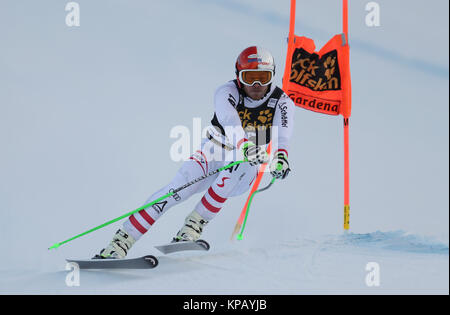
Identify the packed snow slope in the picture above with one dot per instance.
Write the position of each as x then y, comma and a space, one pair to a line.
85, 119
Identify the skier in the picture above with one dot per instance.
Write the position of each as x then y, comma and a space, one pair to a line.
247, 111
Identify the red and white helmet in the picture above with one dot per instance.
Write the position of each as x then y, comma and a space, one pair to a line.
255, 65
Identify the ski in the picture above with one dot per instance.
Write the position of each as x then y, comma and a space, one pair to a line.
144, 262
183, 246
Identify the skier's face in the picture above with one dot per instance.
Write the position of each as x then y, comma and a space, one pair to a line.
256, 91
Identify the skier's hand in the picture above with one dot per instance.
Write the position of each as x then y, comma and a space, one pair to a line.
255, 154
279, 167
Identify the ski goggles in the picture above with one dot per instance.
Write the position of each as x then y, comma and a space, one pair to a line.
252, 76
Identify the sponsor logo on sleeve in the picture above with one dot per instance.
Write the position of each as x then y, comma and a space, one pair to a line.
283, 111
232, 100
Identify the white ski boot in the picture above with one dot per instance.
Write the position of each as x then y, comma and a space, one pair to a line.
192, 228
118, 247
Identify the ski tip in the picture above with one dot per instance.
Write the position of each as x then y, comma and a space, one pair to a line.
203, 243
152, 260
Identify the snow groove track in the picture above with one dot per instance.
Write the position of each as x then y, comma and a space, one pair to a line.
327, 265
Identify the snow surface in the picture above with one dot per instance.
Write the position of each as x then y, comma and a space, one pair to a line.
85, 119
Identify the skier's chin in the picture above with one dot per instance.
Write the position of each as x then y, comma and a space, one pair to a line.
256, 92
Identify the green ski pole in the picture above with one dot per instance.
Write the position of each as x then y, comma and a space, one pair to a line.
147, 205
240, 235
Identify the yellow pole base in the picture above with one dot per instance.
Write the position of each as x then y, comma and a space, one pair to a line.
346, 217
